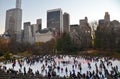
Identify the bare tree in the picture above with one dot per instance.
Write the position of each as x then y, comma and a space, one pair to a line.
93, 26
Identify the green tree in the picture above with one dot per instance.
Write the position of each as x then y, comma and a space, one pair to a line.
59, 44
67, 43
64, 43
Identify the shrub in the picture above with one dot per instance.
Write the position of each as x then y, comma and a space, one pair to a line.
7, 56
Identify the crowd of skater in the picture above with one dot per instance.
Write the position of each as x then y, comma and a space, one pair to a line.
52, 66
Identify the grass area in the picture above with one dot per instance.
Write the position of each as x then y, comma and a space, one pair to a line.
2, 58
24, 54
100, 53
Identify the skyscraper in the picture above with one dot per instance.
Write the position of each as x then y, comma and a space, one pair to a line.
55, 20
85, 33
18, 4
27, 36
107, 17
39, 24
14, 21
66, 22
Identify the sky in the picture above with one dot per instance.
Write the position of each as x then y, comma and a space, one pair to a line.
78, 9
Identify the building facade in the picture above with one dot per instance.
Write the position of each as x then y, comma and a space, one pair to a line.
107, 17
81, 34
33, 34
107, 33
27, 34
66, 22
39, 24
14, 21
85, 30
34, 29
43, 36
55, 20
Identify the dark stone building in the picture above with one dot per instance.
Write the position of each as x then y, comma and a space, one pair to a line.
107, 33
81, 34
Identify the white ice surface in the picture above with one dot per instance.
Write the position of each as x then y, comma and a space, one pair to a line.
84, 64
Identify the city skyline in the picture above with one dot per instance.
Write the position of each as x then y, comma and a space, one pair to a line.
77, 9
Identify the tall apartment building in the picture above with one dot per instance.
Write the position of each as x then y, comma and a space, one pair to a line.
66, 22
55, 20
14, 21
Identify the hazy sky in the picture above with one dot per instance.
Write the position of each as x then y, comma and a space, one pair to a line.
78, 9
